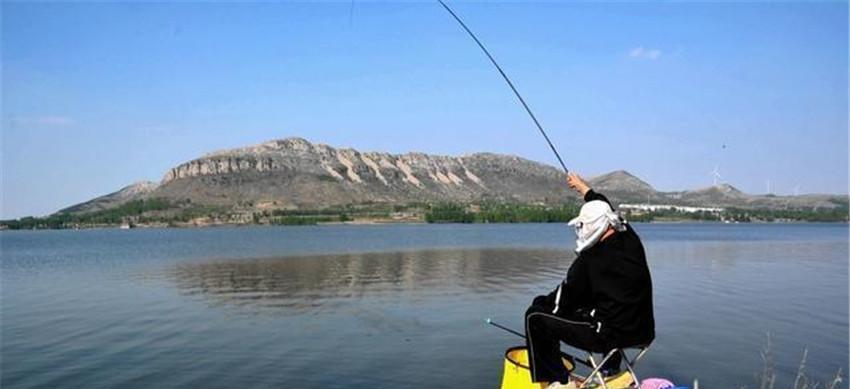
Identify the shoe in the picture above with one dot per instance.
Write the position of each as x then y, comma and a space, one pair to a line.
610, 372
558, 385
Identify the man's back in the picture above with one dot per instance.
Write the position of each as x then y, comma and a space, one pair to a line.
621, 288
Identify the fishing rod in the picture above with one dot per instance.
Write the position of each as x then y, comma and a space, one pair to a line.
497, 325
508, 80
569, 357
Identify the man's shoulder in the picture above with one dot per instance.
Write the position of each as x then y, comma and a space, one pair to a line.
582, 259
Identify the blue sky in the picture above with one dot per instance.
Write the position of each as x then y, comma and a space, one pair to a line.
99, 95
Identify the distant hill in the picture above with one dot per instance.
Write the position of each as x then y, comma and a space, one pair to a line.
128, 193
295, 174
623, 186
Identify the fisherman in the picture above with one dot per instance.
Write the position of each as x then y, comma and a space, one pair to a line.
604, 303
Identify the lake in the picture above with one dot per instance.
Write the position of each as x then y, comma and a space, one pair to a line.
396, 306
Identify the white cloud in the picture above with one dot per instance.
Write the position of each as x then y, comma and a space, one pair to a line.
641, 52
48, 120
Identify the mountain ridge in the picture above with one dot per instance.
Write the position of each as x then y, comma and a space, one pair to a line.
293, 173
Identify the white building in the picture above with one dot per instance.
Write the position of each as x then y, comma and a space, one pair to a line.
667, 207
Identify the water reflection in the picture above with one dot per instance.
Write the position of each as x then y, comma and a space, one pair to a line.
154, 308
311, 284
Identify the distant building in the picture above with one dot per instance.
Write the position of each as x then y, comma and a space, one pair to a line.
667, 207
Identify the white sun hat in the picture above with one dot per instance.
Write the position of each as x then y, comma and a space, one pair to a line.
592, 221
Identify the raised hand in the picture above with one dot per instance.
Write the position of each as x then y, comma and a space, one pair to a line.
577, 184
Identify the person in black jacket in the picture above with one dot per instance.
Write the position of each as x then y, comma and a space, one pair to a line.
605, 302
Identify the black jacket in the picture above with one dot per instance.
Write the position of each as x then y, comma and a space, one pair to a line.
609, 284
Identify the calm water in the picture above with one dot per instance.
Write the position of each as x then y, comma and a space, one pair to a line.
394, 306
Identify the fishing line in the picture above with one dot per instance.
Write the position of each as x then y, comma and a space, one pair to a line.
508, 80
351, 14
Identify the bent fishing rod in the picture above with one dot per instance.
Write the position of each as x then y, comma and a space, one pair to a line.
508, 80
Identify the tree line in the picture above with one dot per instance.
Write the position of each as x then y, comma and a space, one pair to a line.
162, 211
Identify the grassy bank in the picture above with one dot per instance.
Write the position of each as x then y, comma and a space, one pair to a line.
767, 378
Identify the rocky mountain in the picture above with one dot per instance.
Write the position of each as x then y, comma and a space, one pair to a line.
293, 173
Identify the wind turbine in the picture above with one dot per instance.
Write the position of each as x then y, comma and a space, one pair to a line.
715, 174
797, 190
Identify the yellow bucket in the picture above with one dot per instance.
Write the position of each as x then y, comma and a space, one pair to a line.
517, 375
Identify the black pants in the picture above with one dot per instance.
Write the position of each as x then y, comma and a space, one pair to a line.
544, 332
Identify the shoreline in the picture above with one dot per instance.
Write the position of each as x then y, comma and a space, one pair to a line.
393, 222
